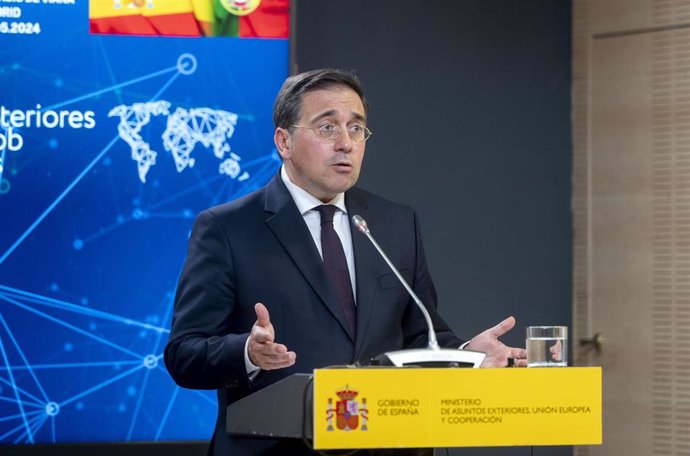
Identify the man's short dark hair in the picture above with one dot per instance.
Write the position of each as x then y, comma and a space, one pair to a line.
287, 109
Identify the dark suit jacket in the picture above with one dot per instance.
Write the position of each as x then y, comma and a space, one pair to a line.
259, 249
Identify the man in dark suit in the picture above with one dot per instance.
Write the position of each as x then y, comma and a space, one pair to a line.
259, 297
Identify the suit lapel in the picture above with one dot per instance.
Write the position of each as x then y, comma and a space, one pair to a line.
365, 260
288, 226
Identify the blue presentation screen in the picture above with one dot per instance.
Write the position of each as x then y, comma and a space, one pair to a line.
110, 143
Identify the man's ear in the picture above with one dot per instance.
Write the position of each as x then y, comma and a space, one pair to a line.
283, 142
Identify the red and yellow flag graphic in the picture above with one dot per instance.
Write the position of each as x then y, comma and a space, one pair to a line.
240, 18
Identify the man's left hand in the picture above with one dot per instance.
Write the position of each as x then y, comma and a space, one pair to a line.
497, 353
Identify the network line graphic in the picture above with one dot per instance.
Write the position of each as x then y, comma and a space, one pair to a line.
34, 404
81, 341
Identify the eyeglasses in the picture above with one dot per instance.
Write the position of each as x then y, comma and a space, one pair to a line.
331, 132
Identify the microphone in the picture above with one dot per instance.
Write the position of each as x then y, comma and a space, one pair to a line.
433, 355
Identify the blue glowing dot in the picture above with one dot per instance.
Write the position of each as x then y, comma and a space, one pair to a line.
107, 161
78, 244
138, 214
54, 287
52, 408
156, 183
79, 405
131, 391
13, 171
92, 326
121, 408
53, 143
187, 213
150, 361
117, 366
186, 64
59, 82
142, 334
275, 155
84, 301
69, 347
120, 218
15, 66
136, 202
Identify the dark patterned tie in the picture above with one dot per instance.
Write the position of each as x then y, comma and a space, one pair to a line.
336, 265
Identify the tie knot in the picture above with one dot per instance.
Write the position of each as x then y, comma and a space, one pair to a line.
327, 211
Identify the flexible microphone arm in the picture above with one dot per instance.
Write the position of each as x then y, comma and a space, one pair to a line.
361, 225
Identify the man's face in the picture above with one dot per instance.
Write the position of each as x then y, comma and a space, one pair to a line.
318, 166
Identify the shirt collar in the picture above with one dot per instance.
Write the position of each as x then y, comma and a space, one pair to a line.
304, 200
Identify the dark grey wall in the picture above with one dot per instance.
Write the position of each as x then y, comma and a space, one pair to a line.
470, 109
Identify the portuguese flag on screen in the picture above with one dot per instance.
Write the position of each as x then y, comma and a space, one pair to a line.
240, 18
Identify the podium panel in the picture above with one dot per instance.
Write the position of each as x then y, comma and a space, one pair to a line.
414, 408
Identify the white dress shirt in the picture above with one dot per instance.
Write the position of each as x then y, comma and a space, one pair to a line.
306, 204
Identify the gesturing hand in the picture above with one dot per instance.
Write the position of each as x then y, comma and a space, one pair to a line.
497, 353
262, 349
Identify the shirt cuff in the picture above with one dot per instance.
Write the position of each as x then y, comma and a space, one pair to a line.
252, 370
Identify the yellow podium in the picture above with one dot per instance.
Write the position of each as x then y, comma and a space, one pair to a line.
351, 408
417, 408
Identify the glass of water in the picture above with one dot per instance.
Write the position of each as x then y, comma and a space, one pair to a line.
547, 346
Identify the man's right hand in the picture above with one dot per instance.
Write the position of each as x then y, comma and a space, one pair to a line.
262, 349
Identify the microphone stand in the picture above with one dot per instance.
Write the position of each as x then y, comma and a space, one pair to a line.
433, 355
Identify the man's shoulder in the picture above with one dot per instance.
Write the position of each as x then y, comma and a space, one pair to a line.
375, 201
249, 201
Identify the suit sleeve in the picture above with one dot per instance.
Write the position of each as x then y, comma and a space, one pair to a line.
416, 332
202, 351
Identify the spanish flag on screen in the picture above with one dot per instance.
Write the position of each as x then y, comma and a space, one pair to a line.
240, 18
